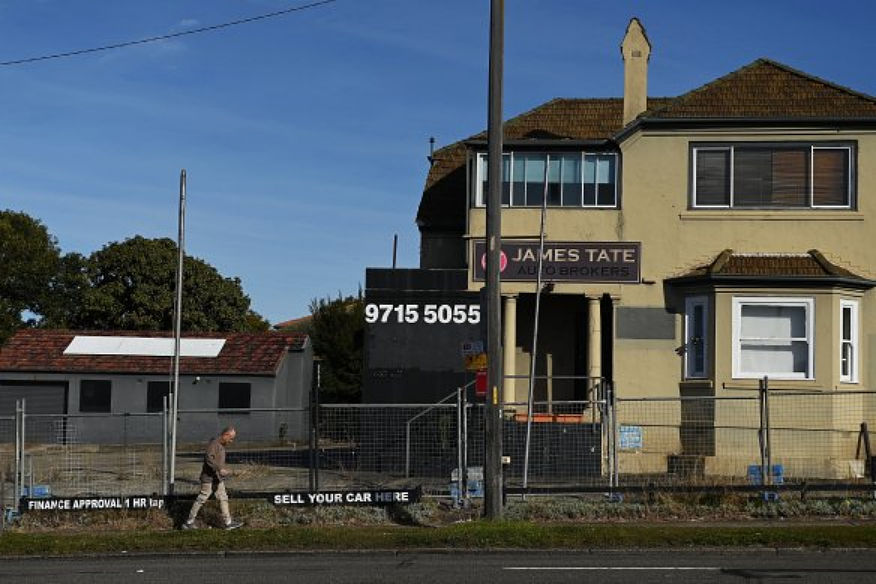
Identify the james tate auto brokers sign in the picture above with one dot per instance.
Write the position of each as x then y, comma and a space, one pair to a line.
565, 261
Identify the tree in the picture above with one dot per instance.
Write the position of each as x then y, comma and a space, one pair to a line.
337, 331
29, 259
132, 287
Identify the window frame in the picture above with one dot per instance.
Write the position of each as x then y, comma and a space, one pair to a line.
518, 157
850, 375
849, 147
97, 404
165, 388
806, 302
692, 342
232, 386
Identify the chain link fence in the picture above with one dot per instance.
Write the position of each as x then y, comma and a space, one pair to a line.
766, 437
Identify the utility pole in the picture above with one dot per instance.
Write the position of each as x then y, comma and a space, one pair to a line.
493, 410
177, 329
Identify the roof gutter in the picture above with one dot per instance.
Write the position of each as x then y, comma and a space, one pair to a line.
571, 143
693, 123
782, 281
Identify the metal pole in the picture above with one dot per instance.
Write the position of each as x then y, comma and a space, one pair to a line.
164, 446
768, 476
316, 422
460, 478
19, 441
177, 329
762, 432
467, 499
493, 410
2, 499
533, 356
612, 400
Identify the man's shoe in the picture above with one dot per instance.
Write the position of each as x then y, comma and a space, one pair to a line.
233, 525
188, 525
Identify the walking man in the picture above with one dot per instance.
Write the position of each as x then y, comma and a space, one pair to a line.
213, 476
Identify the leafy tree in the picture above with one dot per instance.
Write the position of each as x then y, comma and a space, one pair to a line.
29, 259
337, 330
133, 283
61, 307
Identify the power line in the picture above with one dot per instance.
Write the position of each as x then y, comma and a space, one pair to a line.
169, 36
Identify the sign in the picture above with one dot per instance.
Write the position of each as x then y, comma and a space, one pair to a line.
337, 498
601, 262
630, 437
425, 313
481, 383
378, 497
474, 356
91, 503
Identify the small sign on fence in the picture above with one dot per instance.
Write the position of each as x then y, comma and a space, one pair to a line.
338, 498
630, 437
91, 503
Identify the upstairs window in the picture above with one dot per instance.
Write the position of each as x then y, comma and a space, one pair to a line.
765, 176
566, 179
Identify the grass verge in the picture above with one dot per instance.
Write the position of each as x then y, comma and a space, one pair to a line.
562, 523
474, 535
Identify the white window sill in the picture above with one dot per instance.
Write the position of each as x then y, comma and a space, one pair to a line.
761, 215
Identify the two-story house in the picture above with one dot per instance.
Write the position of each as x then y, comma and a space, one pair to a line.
687, 246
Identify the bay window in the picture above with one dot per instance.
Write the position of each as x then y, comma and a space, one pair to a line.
849, 341
773, 337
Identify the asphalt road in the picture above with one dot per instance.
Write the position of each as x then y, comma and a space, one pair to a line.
453, 566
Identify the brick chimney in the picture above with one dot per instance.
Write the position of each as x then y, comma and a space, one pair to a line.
636, 50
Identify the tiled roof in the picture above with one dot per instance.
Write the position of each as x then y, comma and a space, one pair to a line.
766, 89
763, 90
36, 350
813, 264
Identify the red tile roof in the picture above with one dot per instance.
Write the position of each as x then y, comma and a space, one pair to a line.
36, 350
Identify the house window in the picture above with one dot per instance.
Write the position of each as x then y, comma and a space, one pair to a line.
849, 341
567, 180
234, 396
156, 391
95, 396
773, 337
764, 176
696, 337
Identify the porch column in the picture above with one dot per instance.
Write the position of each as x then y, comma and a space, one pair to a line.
594, 339
509, 348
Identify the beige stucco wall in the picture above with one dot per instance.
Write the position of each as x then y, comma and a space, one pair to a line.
654, 194
654, 211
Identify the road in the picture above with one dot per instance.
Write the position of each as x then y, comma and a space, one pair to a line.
517, 567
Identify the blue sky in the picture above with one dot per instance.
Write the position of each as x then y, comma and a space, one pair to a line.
305, 137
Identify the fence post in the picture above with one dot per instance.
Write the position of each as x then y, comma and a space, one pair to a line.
614, 430
461, 479
19, 451
764, 435
313, 461
165, 486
